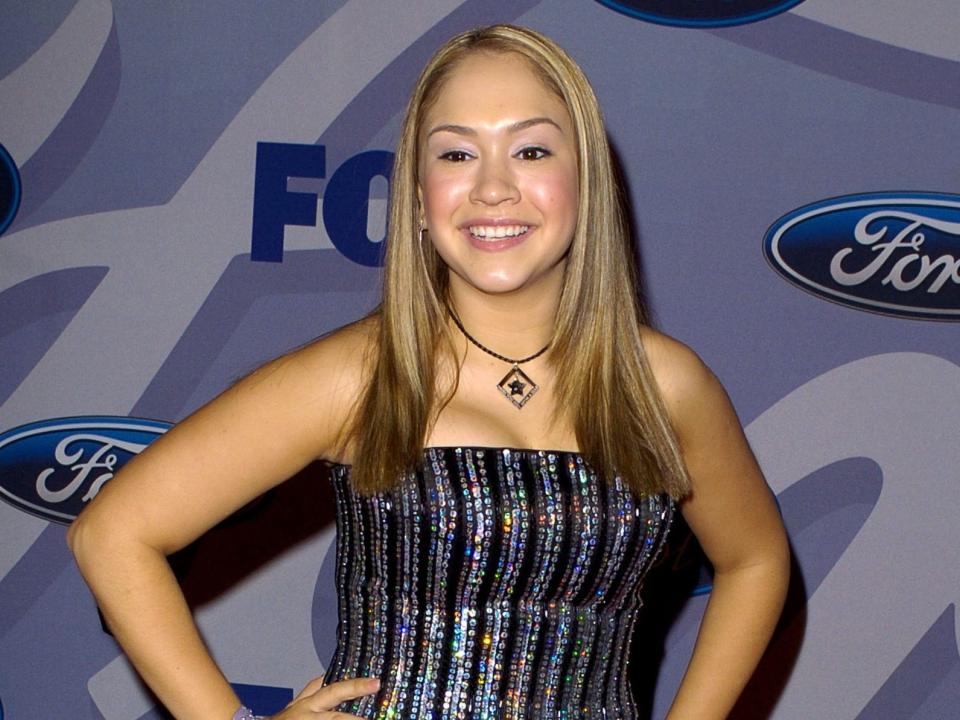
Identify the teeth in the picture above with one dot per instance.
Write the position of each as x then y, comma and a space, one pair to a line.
493, 232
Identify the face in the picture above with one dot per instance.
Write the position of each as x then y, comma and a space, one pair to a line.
498, 176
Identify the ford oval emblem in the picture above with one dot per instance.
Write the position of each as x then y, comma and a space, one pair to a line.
53, 468
700, 13
10, 190
891, 253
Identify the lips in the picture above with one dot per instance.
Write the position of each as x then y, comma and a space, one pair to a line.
496, 232
492, 235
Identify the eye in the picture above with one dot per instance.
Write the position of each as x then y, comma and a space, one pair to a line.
455, 156
534, 152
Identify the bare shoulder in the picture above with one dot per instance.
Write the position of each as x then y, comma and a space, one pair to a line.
318, 384
685, 381
334, 363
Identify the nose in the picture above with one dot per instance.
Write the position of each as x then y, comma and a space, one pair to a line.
494, 183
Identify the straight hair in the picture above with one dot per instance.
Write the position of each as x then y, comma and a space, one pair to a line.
604, 388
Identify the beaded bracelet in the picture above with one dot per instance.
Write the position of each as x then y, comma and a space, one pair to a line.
245, 713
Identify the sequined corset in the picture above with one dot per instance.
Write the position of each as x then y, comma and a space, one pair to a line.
492, 583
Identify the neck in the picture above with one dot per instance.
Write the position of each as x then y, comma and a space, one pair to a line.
514, 324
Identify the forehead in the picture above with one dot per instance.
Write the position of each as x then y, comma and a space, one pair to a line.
485, 85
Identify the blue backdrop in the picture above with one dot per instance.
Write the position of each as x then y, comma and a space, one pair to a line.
187, 190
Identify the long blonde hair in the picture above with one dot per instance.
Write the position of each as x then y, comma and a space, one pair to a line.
604, 384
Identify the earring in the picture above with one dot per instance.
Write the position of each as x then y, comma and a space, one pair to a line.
421, 235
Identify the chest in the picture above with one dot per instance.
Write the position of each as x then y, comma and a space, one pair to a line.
483, 411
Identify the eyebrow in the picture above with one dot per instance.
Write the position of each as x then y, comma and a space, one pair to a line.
515, 127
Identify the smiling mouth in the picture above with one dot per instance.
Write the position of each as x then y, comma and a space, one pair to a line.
497, 232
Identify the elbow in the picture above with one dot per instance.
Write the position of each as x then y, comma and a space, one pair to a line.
103, 540
72, 537
775, 566
79, 531
767, 569
782, 560
774, 559
92, 535
778, 571
78, 539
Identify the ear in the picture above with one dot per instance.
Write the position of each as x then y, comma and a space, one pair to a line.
420, 205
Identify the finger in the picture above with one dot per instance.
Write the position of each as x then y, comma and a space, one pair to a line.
310, 688
336, 693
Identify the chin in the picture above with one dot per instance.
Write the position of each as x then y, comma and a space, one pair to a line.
499, 285
503, 281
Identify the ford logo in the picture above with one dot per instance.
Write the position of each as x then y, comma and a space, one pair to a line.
891, 253
53, 468
700, 13
9, 190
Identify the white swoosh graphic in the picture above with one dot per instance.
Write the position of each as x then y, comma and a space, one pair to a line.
925, 26
48, 83
901, 410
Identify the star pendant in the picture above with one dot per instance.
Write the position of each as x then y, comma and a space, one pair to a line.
517, 386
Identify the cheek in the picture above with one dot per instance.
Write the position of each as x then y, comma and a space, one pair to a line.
559, 196
440, 195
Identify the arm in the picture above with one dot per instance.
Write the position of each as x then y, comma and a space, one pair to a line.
249, 439
734, 515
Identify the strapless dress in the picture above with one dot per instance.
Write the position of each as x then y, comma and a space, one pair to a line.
492, 583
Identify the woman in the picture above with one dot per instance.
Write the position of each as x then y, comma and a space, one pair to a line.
508, 441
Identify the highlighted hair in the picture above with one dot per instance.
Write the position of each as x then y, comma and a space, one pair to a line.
604, 387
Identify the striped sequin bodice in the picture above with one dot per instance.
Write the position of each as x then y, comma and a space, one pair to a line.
492, 583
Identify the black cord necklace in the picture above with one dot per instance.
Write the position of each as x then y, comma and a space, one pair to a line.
516, 385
